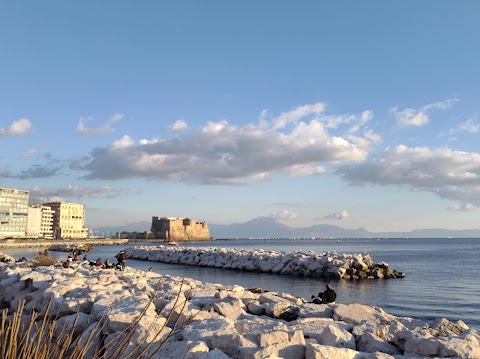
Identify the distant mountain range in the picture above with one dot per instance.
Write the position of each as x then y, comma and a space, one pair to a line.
265, 227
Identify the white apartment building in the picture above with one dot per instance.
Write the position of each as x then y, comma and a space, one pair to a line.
13, 212
47, 222
40, 222
68, 220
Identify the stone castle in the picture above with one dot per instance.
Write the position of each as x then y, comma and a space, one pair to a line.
178, 229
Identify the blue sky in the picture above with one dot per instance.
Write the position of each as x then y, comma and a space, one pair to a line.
225, 111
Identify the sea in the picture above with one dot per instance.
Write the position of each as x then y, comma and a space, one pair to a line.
440, 273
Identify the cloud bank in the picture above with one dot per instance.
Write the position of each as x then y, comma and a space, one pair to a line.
222, 153
450, 174
43, 195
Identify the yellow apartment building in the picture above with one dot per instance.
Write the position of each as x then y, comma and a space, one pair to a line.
68, 220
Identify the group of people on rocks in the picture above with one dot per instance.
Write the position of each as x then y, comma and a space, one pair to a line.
121, 261
74, 256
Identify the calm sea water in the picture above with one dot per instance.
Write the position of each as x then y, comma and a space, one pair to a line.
441, 274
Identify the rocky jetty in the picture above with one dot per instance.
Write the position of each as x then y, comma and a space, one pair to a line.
184, 318
84, 247
309, 264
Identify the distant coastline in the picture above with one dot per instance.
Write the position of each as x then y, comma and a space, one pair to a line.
264, 227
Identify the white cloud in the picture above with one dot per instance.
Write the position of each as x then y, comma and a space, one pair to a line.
43, 195
179, 125
338, 215
411, 117
467, 126
284, 215
365, 117
105, 128
372, 136
29, 154
297, 113
122, 143
447, 173
462, 207
148, 142
419, 117
20, 127
222, 153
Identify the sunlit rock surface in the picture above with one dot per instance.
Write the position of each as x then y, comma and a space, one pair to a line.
161, 316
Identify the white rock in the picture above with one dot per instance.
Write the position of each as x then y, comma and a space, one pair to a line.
66, 323
228, 310
230, 343
317, 351
311, 310
205, 330
213, 354
333, 336
95, 343
371, 343
257, 325
355, 313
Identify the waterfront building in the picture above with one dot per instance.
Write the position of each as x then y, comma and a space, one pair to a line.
13, 212
40, 222
178, 229
68, 220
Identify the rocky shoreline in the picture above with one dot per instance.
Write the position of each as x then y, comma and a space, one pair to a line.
185, 318
307, 264
63, 243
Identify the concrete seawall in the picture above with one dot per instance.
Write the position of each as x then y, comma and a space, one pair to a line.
308, 264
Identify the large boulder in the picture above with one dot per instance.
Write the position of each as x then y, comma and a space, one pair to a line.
370, 343
447, 328
286, 311
355, 313
317, 351
333, 336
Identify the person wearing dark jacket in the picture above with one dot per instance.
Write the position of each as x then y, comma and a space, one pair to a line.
329, 295
122, 260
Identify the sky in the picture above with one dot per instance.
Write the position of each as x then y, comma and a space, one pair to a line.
357, 114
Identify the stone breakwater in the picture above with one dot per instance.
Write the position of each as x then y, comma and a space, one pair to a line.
310, 264
185, 318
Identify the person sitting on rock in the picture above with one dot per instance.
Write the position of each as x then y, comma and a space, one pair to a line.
99, 263
75, 258
108, 264
329, 295
66, 264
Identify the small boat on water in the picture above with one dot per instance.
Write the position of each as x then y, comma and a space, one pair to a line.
173, 243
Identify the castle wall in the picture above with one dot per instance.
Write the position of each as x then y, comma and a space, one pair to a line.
179, 229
